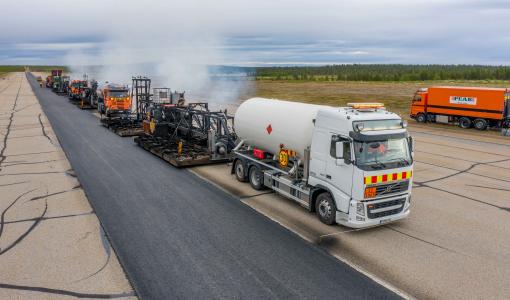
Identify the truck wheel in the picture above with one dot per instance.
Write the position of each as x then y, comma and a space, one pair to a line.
256, 178
480, 124
464, 123
326, 209
421, 118
239, 170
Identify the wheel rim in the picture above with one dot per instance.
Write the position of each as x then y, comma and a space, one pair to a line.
255, 178
239, 170
324, 209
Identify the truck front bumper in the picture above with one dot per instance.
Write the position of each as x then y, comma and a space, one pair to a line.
373, 217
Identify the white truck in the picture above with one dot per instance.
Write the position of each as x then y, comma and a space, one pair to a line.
351, 165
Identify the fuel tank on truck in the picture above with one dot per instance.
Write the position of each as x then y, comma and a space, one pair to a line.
268, 123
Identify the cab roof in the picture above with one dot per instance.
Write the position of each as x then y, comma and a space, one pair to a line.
115, 87
468, 88
352, 114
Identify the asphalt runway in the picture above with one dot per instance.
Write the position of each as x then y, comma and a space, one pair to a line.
178, 236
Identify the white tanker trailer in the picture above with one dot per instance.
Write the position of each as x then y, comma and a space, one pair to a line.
351, 165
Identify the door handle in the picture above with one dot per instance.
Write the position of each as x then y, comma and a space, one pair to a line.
328, 176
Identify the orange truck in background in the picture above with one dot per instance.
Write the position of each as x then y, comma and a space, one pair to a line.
467, 106
114, 100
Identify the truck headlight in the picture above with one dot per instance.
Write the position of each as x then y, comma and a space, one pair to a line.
360, 209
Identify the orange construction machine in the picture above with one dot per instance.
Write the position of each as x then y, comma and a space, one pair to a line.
466, 106
114, 100
76, 89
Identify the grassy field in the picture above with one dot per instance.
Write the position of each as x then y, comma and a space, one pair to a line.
18, 68
395, 95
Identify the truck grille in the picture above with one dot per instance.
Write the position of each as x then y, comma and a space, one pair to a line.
379, 214
391, 188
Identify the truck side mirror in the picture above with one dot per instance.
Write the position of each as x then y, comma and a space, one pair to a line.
411, 144
343, 151
339, 150
347, 152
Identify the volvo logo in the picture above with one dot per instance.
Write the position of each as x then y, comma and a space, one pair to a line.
389, 188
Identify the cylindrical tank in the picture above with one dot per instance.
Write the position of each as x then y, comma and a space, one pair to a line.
268, 123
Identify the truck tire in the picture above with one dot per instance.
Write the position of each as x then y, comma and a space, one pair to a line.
465, 123
239, 170
256, 178
480, 124
325, 208
421, 118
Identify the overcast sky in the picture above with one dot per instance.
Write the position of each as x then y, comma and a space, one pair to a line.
256, 32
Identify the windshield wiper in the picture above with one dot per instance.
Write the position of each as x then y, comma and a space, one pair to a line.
403, 161
378, 165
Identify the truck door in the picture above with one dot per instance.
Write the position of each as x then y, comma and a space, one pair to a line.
319, 153
419, 103
339, 170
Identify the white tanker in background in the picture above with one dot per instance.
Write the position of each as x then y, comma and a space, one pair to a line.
351, 165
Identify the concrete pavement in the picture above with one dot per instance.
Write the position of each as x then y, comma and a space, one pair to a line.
51, 243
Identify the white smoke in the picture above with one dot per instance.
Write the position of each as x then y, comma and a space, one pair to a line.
175, 46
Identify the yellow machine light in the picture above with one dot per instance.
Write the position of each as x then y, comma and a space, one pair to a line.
366, 105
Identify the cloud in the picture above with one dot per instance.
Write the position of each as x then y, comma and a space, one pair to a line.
266, 31
55, 46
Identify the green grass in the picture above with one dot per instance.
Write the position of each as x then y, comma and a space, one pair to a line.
395, 95
19, 68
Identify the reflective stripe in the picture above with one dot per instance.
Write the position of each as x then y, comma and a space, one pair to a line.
387, 177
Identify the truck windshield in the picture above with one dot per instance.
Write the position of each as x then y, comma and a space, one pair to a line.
387, 154
118, 94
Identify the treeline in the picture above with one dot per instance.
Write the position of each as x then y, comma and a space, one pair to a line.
397, 72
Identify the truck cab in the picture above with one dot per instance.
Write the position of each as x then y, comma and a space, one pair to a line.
419, 105
362, 156
114, 100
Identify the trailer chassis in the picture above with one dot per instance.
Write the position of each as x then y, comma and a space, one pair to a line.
189, 135
288, 182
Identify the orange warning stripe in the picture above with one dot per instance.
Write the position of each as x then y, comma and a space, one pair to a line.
388, 177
